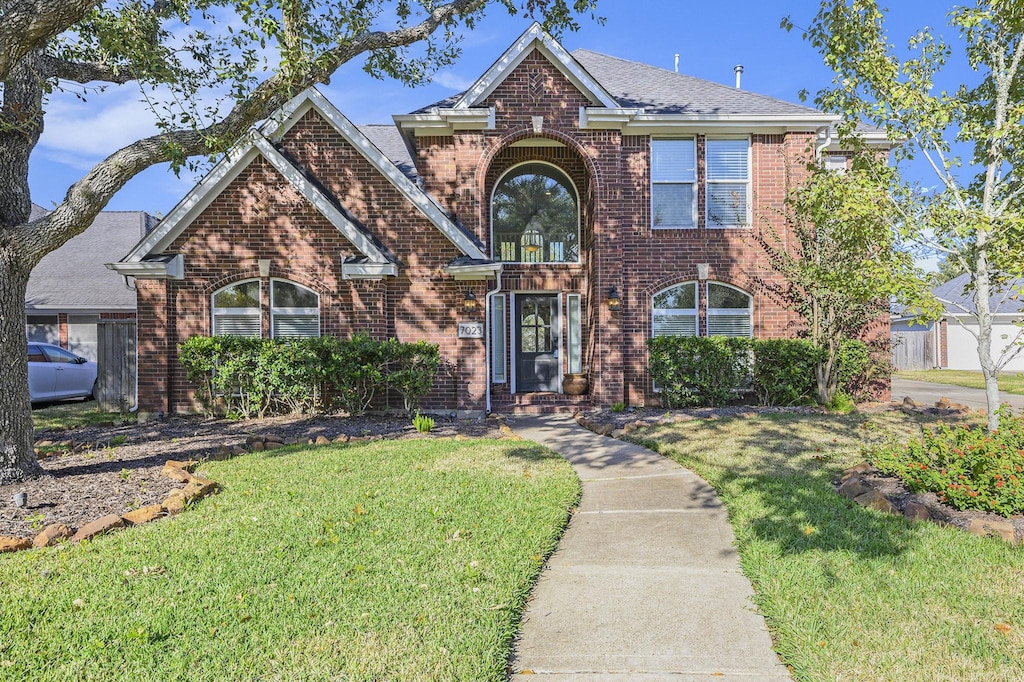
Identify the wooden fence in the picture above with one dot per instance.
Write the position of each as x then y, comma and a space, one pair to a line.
116, 363
913, 347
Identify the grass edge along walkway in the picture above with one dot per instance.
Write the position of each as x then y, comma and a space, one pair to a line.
849, 593
408, 560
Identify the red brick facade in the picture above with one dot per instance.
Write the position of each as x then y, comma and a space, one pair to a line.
260, 215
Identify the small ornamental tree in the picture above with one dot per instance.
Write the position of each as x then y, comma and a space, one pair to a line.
843, 261
973, 216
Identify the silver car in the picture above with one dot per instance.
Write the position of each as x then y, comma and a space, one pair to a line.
56, 374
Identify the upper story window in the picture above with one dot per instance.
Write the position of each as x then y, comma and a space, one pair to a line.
294, 310
674, 183
535, 216
675, 311
728, 182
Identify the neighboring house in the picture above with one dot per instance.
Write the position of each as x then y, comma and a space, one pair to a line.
586, 202
951, 342
70, 291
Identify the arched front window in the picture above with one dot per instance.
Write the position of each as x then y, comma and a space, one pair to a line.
535, 216
730, 311
294, 310
236, 309
674, 311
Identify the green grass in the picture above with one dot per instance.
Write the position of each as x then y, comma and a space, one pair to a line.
63, 416
848, 593
394, 560
1010, 382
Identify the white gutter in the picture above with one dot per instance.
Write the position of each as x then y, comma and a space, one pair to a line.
487, 337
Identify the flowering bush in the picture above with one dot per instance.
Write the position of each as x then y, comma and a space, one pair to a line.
966, 466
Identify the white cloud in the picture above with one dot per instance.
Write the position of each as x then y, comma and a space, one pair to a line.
452, 81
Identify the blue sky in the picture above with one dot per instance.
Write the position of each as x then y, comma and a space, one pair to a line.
710, 38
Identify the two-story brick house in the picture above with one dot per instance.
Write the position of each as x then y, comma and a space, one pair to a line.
583, 203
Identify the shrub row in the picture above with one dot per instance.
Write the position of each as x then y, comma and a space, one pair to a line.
247, 377
966, 466
695, 370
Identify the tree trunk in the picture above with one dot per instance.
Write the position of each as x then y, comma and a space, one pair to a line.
17, 457
989, 368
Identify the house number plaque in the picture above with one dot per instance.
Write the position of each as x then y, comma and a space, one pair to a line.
471, 330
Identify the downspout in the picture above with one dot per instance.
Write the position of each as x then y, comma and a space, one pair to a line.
828, 140
487, 335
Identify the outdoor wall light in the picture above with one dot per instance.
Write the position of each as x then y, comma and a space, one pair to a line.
469, 302
614, 300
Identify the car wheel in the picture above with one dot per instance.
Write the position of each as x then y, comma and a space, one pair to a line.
92, 394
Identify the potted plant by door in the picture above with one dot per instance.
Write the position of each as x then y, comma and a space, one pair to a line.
576, 383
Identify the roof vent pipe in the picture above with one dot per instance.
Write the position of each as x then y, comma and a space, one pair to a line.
677, 62
738, 69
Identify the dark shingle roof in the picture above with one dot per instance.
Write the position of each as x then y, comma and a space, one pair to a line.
661, 91
388, 139
74, 278
952, 294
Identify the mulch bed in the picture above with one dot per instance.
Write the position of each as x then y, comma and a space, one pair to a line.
102, 470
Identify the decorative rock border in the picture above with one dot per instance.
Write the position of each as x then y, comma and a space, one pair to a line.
196, 487
852, 485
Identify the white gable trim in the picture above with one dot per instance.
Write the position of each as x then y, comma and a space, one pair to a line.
313, 99
255, 144
535, 36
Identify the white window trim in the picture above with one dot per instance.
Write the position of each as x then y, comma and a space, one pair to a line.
574, 330
499, 340
695, 183
749, 181
579, 219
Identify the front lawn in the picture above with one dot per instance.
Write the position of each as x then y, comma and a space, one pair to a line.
400, 560
1010, 382
851, 594
68, 415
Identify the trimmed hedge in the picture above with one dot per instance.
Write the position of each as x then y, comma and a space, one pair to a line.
249, 377
711, 371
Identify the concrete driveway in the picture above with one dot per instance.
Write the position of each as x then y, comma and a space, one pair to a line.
928, 393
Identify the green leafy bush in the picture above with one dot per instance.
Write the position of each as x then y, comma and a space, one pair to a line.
784, 371
864, 368
250, 377
697, 370
966, 466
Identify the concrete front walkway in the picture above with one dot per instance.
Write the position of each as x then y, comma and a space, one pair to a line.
645, 583
928, 393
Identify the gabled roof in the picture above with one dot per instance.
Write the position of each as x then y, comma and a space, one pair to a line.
72, 278
256, 143
1005, 301
660, 91
535, 37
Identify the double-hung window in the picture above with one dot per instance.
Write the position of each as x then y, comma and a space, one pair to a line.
236, 309
729, 311
674, 311
728, 182
674, 183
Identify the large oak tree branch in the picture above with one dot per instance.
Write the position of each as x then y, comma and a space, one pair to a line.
87, 197
85, 72
28, 25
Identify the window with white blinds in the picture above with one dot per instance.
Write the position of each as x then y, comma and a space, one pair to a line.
728, 182
236, 309
674, 183
729, 311
674, 311
294, 310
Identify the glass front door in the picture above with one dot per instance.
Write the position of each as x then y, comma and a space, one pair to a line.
537, 326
